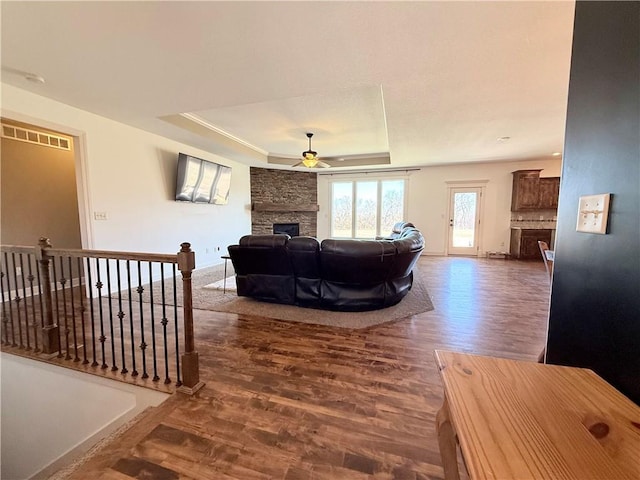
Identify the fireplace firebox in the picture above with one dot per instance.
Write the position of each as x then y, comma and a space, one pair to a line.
291, 229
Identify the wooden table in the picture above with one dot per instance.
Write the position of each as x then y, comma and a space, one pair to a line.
525, 420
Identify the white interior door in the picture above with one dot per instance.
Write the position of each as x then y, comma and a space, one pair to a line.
464, 220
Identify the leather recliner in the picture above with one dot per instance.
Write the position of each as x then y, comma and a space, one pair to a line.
263, 268
346, 275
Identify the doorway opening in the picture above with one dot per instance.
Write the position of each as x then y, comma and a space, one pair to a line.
465, 214
44, 172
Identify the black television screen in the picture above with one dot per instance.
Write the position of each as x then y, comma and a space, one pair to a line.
202, 181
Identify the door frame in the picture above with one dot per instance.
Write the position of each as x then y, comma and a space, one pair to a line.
470, 184
81, 167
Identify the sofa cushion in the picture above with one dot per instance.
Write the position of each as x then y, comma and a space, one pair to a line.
305, 259
275, 240
263, 268
356, 261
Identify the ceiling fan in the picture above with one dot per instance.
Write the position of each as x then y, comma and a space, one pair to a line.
310, 158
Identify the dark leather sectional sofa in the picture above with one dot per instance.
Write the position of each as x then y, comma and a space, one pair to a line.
347, 275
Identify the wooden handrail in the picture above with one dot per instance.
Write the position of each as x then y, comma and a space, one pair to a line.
19, 249
115, 255
61, 270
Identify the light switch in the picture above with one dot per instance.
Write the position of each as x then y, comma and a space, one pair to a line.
100, 215
593, 213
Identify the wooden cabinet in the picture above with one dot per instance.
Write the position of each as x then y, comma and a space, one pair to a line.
549, 193
530, 192
525, 190
524, 243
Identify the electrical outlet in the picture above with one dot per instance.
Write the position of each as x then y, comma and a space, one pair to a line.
502, 244
100, 215
19, 271
541, 218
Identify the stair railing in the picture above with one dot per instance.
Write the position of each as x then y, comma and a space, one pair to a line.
108, 311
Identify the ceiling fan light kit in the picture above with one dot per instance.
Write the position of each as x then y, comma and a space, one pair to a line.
309, 154
310, 162
310, 157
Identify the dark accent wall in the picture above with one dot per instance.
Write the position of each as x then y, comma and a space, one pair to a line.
595, 300
288, 189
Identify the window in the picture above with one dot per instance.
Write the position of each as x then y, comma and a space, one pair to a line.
366, 208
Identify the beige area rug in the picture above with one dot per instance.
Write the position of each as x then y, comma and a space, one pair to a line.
207, 297
416, 301
226, 285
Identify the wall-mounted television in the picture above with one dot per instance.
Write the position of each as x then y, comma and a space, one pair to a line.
202, 181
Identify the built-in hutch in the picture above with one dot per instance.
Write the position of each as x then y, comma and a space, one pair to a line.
530, 192
534, 203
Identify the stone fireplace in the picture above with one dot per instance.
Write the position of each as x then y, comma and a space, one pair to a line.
283, 197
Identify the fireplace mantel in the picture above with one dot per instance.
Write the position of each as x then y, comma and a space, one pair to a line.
284, 207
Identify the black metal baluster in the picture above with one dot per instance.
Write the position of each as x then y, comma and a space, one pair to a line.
5, 319
13, 327
73, 313
175, 321
153, 325
26, 306
63, 284
17, 300
83, 310
113, 344
55, 289
134, 372
34, 325
40, 298
143, 345
93, 326
121, 316
164, 322
99, 286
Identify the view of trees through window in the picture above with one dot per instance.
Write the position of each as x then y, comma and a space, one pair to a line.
464, 219
367, 208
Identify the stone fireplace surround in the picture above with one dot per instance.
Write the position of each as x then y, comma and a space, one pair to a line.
283, 196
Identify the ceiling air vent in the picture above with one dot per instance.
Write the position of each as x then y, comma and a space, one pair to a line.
33, 136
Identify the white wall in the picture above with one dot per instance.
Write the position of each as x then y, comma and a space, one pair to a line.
130, 175
80, 410
428, 199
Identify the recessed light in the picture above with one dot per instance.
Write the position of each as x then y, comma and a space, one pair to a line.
504, 139
556, 154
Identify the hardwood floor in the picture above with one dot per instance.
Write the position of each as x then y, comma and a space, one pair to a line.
294, 401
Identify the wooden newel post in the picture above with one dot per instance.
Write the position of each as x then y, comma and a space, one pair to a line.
49, 333
190, 364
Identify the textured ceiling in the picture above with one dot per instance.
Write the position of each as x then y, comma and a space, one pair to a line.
426, 82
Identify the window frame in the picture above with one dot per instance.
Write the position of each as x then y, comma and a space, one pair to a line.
379, 181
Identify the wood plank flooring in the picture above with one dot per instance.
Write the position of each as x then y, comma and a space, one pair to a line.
293, 401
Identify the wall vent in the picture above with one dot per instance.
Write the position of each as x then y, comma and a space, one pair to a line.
32, 136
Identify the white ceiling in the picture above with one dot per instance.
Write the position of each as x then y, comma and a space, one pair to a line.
427, 82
